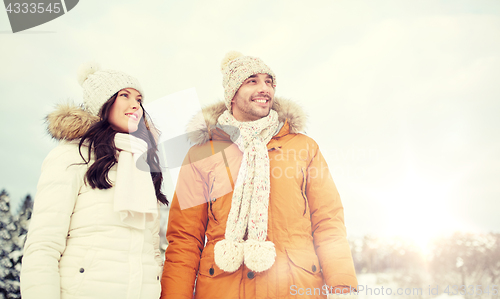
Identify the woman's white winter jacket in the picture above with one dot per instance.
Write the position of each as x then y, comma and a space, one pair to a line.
77, 246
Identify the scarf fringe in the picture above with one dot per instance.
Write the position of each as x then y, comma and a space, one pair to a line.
258, 256
228, 255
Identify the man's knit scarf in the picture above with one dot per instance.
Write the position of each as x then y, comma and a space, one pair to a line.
250, 202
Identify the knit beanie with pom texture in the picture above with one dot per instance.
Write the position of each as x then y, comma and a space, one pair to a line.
236, 68
100, 85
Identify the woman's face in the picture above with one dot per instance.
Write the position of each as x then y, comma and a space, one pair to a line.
126, 111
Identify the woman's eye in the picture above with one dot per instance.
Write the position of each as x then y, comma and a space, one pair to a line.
124, 95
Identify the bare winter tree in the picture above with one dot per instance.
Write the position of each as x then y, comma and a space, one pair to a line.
470, 260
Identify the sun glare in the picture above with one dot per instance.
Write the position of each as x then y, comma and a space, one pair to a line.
417, 209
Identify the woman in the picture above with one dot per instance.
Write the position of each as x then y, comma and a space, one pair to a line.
94, 228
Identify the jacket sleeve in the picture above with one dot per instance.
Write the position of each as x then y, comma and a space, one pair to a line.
327, 220
57, 191
185, 234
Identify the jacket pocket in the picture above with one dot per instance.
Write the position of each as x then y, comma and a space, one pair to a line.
304, 259
81, 271
214, 281
208, 267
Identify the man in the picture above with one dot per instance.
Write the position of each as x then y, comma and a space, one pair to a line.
256, 213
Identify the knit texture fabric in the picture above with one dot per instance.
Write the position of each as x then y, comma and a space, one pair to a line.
135, 198
236, 68
100, 85
250, 202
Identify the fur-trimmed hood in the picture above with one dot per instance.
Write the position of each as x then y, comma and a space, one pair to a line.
69, 122
204, 122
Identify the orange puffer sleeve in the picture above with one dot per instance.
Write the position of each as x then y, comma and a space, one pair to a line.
327, 220
185, 233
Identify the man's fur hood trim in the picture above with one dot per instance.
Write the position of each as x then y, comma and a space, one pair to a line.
69, 122
202, 123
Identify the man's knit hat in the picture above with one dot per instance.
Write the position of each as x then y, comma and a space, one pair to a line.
100, 85
236, 68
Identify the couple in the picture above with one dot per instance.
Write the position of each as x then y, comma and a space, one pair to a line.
255, 213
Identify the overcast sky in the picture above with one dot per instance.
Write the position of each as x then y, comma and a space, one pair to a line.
402, 96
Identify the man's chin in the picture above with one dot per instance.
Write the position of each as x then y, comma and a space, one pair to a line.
263, 114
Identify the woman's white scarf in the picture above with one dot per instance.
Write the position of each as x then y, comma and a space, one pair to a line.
135, 196
250, 202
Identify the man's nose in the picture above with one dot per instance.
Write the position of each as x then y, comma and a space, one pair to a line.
264, 87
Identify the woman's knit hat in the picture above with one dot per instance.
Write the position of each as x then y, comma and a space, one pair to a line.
100, 85
236, 68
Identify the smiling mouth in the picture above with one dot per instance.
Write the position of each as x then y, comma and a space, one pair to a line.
261, 99
132, 116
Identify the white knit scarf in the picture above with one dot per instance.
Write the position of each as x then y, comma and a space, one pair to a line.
250, 202
135, 196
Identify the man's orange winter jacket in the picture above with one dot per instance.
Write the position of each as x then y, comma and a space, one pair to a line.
306, 219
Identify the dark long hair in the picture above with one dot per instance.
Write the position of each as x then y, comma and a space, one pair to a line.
100, 138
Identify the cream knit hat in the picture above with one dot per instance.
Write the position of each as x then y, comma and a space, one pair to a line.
100, 85
236, 68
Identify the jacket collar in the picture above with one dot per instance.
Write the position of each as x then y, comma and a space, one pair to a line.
202, 126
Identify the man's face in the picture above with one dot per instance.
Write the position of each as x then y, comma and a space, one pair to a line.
254, 99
